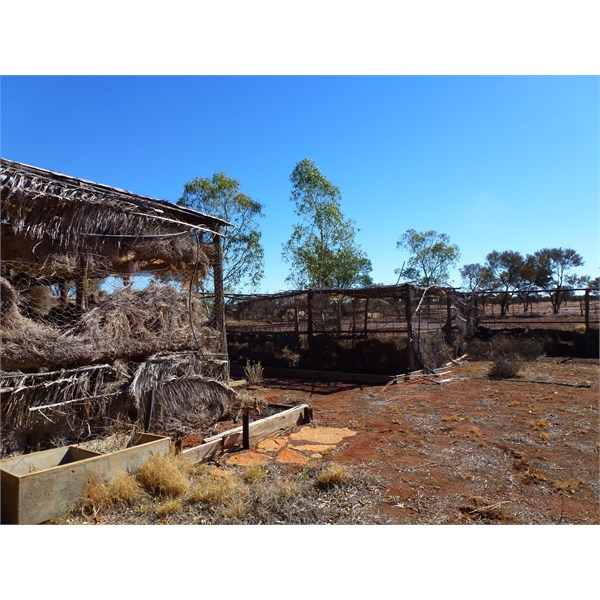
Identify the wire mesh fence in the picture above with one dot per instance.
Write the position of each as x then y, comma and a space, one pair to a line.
389, 327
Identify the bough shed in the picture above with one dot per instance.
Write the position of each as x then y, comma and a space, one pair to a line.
101, 323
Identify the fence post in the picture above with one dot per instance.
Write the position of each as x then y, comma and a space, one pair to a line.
296, 317
82, 284
309, 324
366, 315
412, 359
447, 327
245, 430
219, 292
476, 317
587, 322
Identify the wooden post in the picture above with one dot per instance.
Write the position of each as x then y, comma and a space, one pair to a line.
366, 315
447, 328
219, 294
296, 316
339, 316
149, 411
82, 285
63, 288
246, 430
587, 321
412, 359
309, 324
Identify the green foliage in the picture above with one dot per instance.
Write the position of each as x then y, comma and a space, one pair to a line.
243, 254
322, 249
504, 271
475, 277
431, 256
552, 268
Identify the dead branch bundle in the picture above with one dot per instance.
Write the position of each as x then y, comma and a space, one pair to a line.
128, 324
174, 366
59, 406
188, 392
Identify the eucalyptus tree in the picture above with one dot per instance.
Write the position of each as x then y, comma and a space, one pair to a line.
505, 271
243, 254
322, 250
431, 256
553, 268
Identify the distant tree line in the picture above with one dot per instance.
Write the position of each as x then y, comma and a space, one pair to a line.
322, 250
510, 273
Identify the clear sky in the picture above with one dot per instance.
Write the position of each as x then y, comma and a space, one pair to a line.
496, 162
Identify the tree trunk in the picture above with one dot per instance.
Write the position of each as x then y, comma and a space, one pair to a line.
219, 316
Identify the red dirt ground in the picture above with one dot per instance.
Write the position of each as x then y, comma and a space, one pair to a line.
471, 450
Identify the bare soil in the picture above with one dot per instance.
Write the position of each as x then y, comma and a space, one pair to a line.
471, 449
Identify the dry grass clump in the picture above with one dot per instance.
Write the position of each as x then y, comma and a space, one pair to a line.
333, 474
102, 495
285, 488
169, 507
253, 372
215, 490
319, 494
164, 475
254, 473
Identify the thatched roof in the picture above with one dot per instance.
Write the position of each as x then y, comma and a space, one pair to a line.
46, 214
108, 210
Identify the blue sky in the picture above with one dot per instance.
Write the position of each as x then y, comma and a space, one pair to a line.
496, 162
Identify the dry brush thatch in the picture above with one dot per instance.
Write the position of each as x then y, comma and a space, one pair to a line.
72, 348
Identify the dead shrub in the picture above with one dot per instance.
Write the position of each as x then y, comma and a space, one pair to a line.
527, 349
478, 350
508, 353
164, 475
433, 349
505, 367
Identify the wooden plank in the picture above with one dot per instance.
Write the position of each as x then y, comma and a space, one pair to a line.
279, 422
203, 452
233, 438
